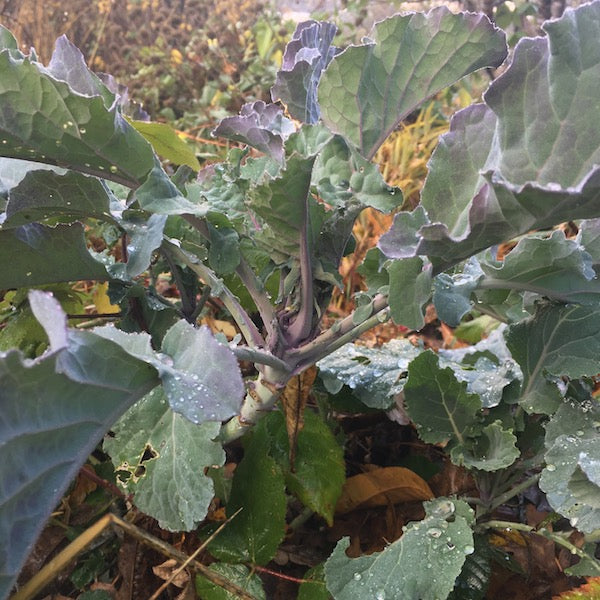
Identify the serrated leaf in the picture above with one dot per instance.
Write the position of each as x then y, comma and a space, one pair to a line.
166, 456
167, 143
493, 448
60, 124
556, 341
437, 402
240, 575
191, 366
259, 125
368, 89
438, 545
372, 373
34, 254
52, 419
258, 487
305, 57
313, 586
571, 478
318, 472
487, 181
44, 194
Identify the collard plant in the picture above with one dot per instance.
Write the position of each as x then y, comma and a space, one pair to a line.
262, 234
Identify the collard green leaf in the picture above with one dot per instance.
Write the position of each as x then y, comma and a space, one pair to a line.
167, 143
488, 181
259, 125
306, 56
52, 419
165, 456
313, 586
340, 174
35, 254
368, 89
410, 290
571, 478
319, 470
554, 267
224, 252
473, 581
423, 563
13, 171
259, 488
44, 194
491, 450
44, 119
452, 293
7, 39
556, 341
240, 575
191, 365
374, 374
437, 402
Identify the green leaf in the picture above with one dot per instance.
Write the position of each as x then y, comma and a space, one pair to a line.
555, 267
313, 586
52, 418
319, 469
368, 89
240, 575
7, 39
167, 143
191, 365
49, 120
35, 254
374, 374
44, 194
341, 174
452, 293
164, 456
493, 449
473, 581
423, 563
410, 289
556, 341
571, 478
437, 402
259, 489
488, 182
224, 252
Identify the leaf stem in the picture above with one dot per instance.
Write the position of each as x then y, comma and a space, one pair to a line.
335, 337
556, 538
259, 356
519, 488
240, 316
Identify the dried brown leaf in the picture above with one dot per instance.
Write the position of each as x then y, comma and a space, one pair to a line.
382, 487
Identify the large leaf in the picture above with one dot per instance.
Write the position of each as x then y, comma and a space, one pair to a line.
306, 55
165, 456
571, 478
488, 180
259, 489
64, 115
52, 418
423, 563
556, 341
35, 254
191, 365
438, 403
368, 89
44, 194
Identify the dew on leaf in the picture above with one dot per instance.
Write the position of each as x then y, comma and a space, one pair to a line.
434, 532
357, 576
550, 467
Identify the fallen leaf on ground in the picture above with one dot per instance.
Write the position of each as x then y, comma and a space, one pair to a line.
381, 487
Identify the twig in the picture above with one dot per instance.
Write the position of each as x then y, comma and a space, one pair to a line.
190, 558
